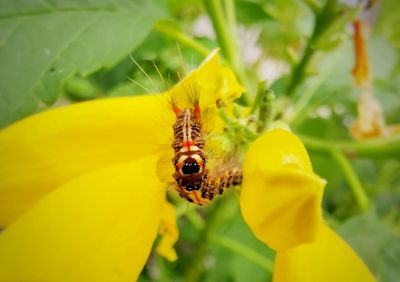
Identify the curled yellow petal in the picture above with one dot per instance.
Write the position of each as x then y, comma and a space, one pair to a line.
44, 151
280, 201
281, 196
218, 79
278, 149
212, 82
329, 259
98, 227
169, 233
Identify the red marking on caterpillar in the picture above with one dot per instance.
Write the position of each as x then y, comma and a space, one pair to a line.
187, 144
197, 111
176, 110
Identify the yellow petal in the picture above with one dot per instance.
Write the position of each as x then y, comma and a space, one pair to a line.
281, 196
329, 259
212, 82
218, 79
169, 232
44, 151
230, 89
98, 227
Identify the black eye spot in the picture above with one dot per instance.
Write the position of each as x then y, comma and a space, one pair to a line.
190, 168
189, 187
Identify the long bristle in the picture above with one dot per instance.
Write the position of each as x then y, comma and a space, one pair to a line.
192, 91
159, 73
142, 70
195, 93
174, 105
140, 85
157, 86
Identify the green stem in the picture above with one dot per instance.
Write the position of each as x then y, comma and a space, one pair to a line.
321, 24
231, 18
299, 71
300, 105
228, 42
181, 37
378, 147
352, 178
314, 5
259, 97
194, 271
233, 245
265, 111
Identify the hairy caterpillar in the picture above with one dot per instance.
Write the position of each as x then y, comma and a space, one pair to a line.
194, 181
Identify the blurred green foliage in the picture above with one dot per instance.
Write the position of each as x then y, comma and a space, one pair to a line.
80, 50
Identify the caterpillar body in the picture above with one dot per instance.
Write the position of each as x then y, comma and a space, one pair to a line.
194, 181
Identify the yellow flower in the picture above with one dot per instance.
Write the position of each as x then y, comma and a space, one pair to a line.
280, 201
80, 199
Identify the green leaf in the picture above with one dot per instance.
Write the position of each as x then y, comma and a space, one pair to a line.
240, 265
80, 89
249, 12
388, 19
43, 43
375, 243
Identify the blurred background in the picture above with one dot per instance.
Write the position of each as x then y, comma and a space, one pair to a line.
333, 66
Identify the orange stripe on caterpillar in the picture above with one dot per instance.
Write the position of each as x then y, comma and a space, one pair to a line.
196, 197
